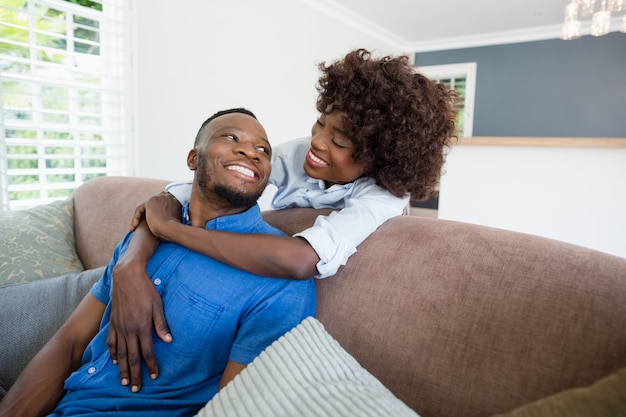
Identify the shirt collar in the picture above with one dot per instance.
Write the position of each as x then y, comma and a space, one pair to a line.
186, 220
322, 185
240, 222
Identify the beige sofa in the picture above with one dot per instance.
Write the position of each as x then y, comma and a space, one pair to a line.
455, 319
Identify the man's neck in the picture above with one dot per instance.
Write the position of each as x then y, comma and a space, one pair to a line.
202, 211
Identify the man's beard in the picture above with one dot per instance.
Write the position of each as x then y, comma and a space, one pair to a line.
235, 197
229, 194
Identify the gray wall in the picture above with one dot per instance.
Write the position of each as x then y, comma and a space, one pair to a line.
552, 88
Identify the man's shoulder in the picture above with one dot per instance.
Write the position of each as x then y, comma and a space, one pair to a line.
252, 220
266, 228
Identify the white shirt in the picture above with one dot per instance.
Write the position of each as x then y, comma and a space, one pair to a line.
363, 205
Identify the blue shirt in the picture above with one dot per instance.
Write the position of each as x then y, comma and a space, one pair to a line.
215, 312
363, 205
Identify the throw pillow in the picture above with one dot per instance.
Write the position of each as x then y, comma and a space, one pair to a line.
305, 373
38, 243
604, 398
31, 313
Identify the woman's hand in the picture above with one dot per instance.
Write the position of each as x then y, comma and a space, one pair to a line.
158, 211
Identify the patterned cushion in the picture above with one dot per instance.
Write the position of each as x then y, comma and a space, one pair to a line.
38, 243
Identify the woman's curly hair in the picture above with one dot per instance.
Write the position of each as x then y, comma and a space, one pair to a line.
400, 122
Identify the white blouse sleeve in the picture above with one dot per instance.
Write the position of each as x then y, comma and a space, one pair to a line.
180, 190
335, 237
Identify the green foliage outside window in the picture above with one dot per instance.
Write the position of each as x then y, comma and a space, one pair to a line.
459, 85
55, 103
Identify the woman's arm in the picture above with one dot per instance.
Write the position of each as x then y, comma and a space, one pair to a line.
40, 386
333, 238
265, 255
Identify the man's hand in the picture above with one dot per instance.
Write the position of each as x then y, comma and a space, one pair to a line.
135, 302
135, 305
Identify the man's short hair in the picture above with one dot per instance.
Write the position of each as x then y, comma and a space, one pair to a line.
215, 116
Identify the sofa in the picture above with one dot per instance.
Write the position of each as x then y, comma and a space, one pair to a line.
439, 318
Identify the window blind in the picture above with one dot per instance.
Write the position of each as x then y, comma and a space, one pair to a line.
63, 99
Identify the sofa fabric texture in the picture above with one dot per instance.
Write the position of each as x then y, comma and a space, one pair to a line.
454, 319
459, 319
31, 313
103, 209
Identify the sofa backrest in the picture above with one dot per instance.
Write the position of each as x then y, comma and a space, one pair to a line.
465, 320
454, 318
103, 210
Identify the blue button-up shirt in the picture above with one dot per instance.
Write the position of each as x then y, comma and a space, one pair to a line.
215, 312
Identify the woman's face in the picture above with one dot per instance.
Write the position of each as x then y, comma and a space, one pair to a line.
330, 155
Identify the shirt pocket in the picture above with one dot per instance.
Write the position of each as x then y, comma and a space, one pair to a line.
191, 318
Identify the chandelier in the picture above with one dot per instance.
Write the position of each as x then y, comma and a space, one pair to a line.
600, 19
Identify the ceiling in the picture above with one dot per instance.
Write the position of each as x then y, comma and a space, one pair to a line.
421, 25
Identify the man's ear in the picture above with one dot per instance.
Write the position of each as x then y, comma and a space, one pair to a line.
192, 159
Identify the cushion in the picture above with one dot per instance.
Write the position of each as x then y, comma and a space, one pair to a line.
31, 313
605, 398
38, 243
305, 373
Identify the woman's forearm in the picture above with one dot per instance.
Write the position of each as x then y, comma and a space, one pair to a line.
261, 254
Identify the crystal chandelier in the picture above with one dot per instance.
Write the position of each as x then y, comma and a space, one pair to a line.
600, 19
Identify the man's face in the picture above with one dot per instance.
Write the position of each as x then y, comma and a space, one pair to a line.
234, 164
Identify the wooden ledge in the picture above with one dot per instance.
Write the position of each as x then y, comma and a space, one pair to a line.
543, 142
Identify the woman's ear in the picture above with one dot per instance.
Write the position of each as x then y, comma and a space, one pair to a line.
192, 159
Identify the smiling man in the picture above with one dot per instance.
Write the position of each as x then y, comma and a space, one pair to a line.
220, 317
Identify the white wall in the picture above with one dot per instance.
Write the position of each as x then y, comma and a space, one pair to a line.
575, 195
194, 57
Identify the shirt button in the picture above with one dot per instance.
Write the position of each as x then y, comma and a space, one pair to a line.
91, 370
157, 281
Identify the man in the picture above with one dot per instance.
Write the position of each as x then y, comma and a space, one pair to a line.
219, 323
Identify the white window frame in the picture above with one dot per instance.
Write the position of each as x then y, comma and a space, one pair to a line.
465, 70
113, 120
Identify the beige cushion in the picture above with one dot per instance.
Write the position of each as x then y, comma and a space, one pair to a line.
38, 243
605, 398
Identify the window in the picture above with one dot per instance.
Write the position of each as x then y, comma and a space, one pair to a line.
63, 101
461, 77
